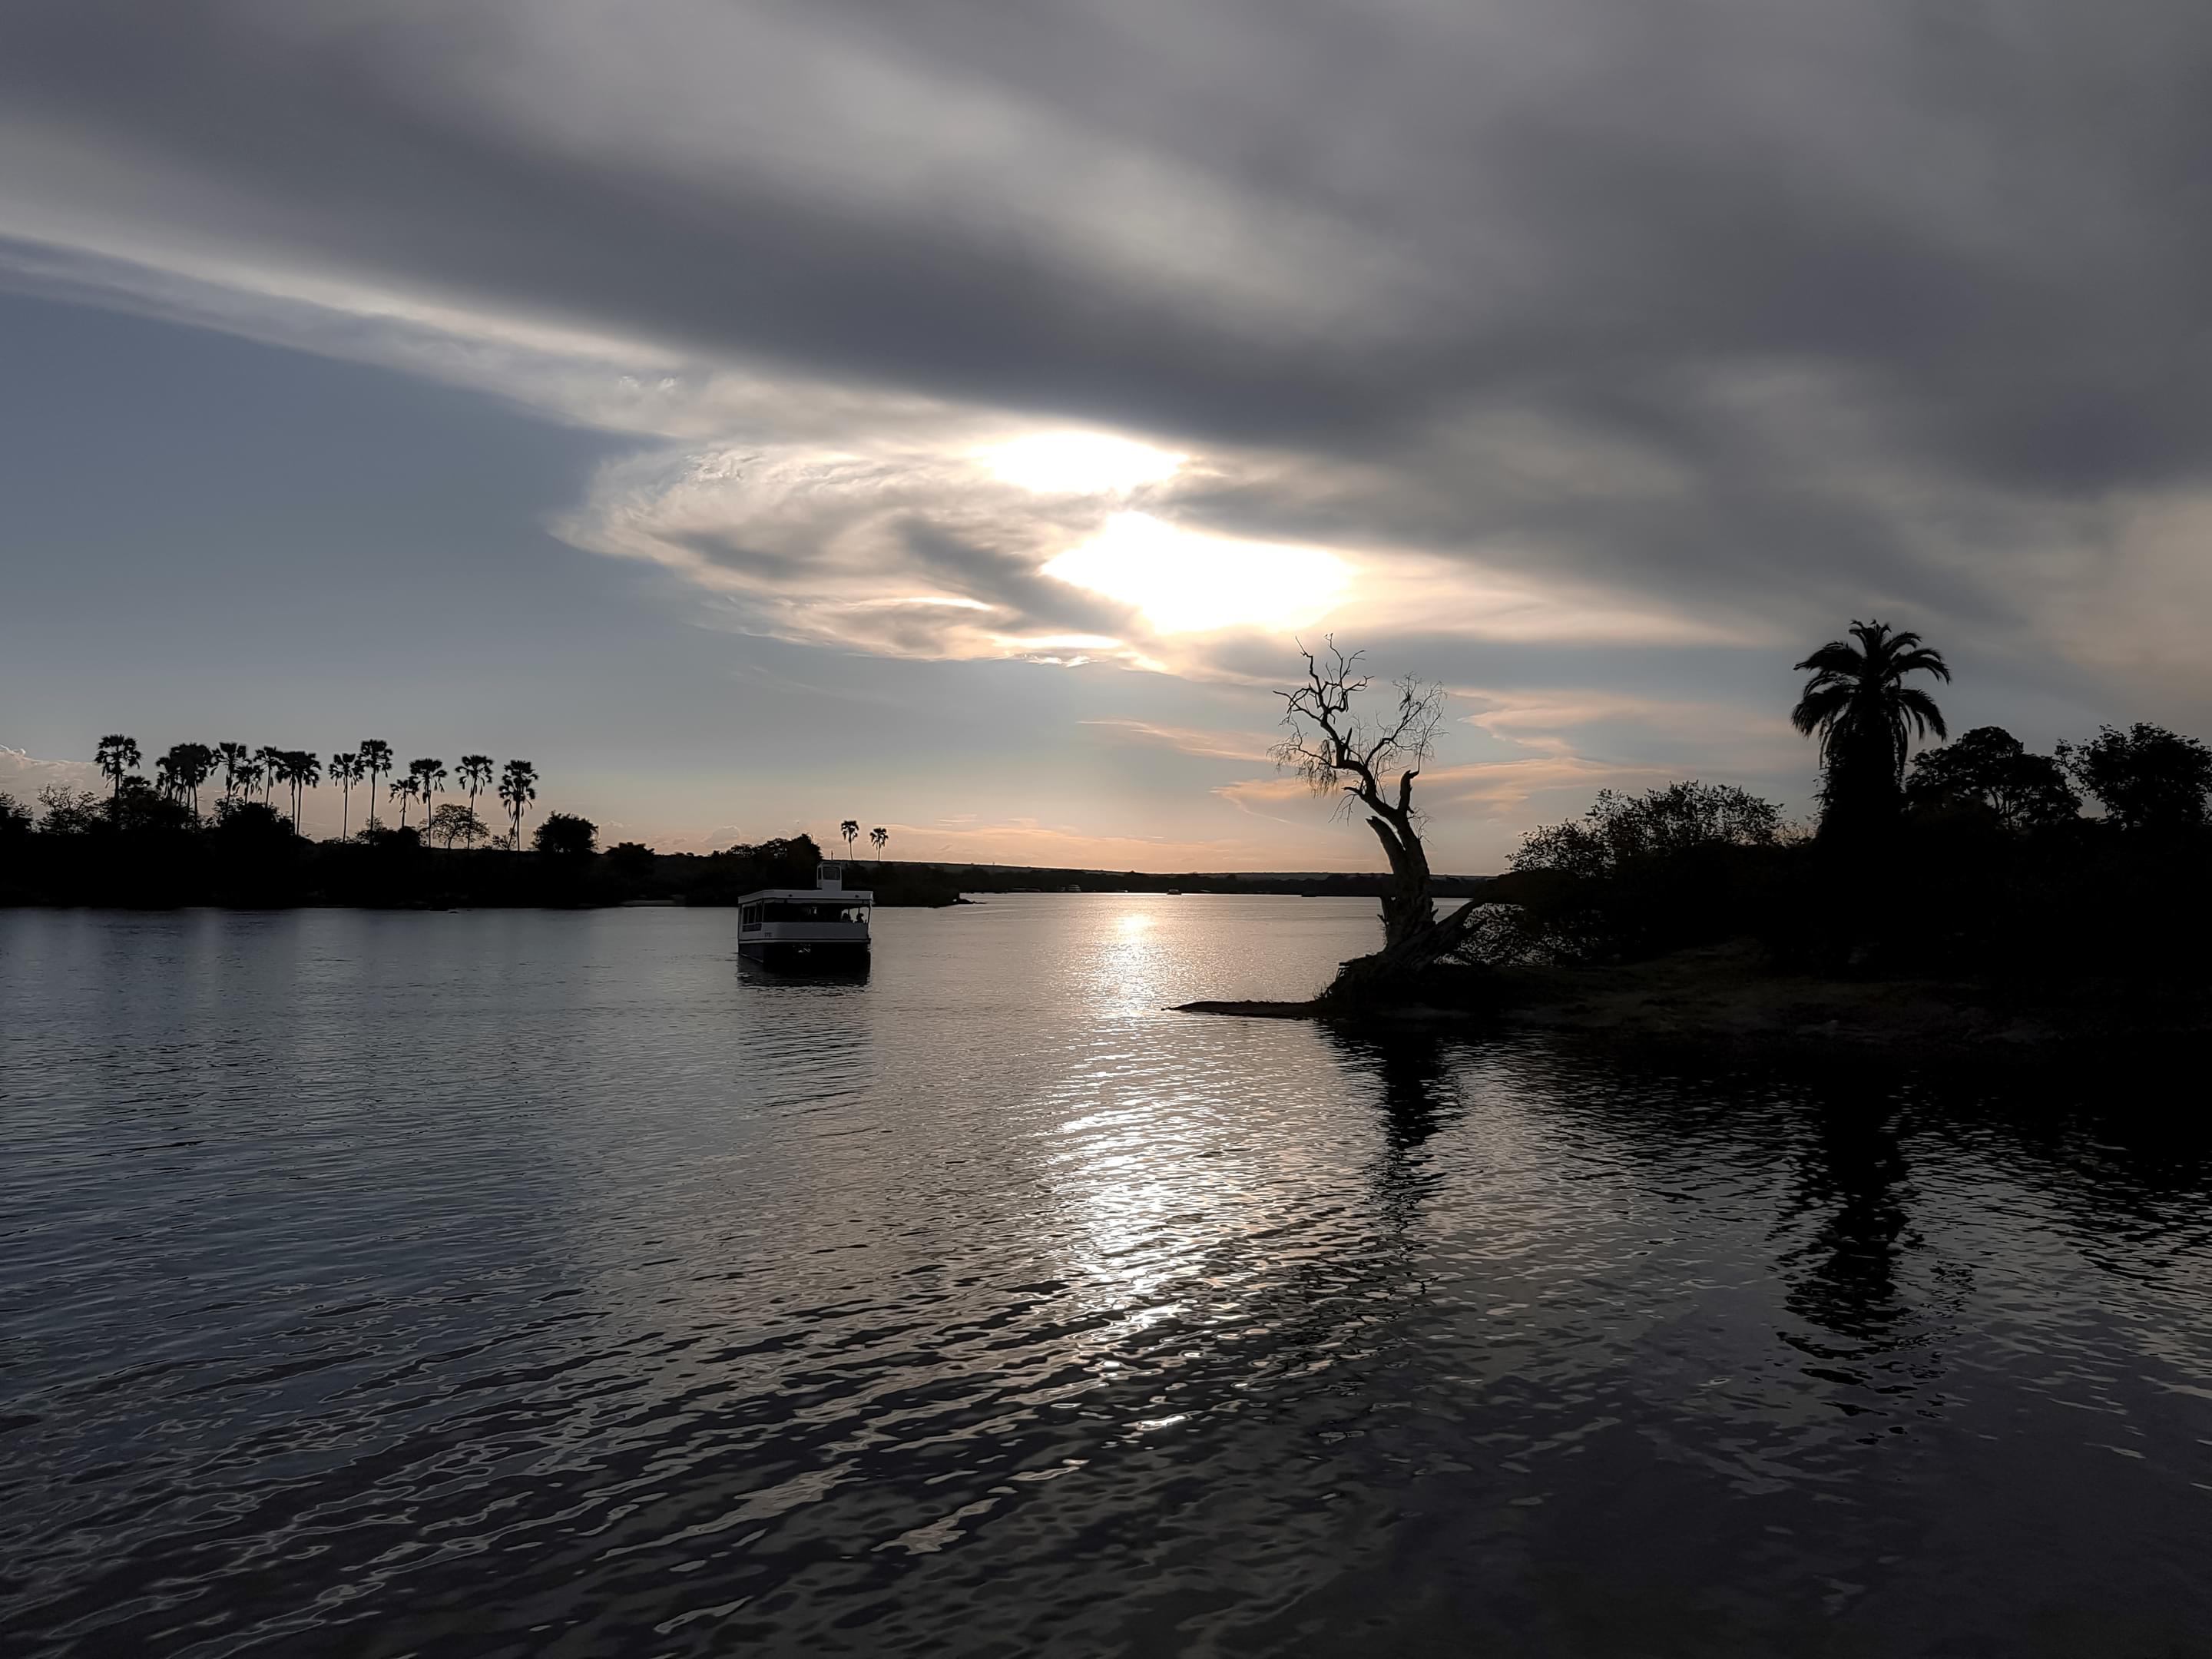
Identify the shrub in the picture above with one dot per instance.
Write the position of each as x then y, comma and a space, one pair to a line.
563, 835
1643, 873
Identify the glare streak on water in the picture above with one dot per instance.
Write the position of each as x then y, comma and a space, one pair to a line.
545, 1283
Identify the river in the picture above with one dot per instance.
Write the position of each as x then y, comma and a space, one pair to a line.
541, 1283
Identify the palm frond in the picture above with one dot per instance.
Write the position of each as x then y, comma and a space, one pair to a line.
1917, 707
1821, 705
1836, 656
1921, 661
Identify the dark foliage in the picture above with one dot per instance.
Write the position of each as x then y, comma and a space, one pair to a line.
565, 836
2150, 780
1988, 770
136, 850
1640, 873
2017, 897
1866, 717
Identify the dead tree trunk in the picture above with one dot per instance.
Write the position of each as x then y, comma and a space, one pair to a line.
1331, 747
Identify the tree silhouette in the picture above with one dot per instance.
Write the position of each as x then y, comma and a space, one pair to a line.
1333, 748
403, 790
283, 764
428, 775
878, 835
375, 761
1990, 770
518, 787
273, 767
2148, 777
1866, 718
184, 769
475, 773
345, 772
249, 779
453, 822
851, 831
117, 756
307, 773
233, 755
564, 836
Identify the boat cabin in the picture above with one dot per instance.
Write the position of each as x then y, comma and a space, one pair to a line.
824, 926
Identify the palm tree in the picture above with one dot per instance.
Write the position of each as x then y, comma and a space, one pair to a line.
518, 787
851, 831
233, 755
307, 773
184, 769
878, 835
345, 772
1867, 718
115, 756
249, 778
281, 766
475, 776
428, 775
376, 760
272, 770
403, 790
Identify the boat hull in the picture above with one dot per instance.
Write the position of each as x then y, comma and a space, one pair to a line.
805, 956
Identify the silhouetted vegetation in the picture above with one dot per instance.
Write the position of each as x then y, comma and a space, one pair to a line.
147, 843
1337, 748
1976, 865
1965, 898
1866, 718
1679, 866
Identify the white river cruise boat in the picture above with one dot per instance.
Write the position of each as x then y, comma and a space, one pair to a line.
825, 926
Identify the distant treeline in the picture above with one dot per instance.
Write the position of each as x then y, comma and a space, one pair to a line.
138, 850
1030, 879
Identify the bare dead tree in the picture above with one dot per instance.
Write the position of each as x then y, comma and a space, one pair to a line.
1335, 748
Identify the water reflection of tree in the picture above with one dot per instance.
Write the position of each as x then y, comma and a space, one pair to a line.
1416, 1098
1851, 1181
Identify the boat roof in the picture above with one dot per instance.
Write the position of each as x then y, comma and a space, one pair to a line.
826, 895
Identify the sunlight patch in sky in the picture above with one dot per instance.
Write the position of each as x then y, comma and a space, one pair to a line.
1080, 463
1184, 582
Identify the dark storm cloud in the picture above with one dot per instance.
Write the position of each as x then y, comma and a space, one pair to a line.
1869, 300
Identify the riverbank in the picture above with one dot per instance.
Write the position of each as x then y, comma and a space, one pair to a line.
1728, 994
264, 867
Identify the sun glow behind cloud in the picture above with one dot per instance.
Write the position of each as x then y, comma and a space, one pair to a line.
1080, 463
1185, 582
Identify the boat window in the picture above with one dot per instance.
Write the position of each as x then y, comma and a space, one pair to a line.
815, 910
749, 916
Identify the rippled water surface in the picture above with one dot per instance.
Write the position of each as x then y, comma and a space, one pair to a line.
534, 1283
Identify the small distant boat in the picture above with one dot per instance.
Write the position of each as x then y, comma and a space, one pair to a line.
825, 926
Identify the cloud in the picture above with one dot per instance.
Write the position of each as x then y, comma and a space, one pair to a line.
1491, 788
1031, 842
23, 775
1221, 745
1555, 319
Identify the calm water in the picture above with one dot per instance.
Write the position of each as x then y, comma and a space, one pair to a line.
548, 1283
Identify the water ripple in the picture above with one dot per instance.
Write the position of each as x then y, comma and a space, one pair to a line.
544, 1283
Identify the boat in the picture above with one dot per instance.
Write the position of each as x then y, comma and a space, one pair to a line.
822, 926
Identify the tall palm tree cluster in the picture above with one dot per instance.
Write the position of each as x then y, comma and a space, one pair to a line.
255, 775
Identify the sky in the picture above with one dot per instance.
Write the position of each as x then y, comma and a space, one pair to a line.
948, 416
